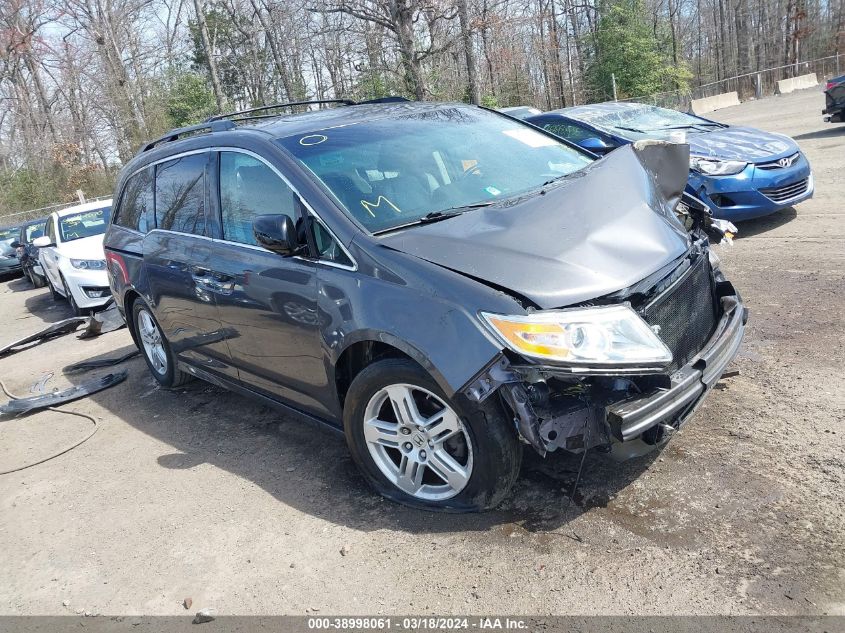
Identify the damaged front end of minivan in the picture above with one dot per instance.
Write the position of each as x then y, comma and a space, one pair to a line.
623, 371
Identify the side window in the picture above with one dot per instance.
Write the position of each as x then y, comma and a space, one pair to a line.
180, 194
51, 230
249, 188
569, 131
136, 207
327, 246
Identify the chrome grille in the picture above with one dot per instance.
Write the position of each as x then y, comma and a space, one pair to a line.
775, 164
685, 314
786, 192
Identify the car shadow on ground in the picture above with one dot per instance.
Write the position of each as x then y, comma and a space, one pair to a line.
17, 282
306, 465
750, 228
831, 132
41, 304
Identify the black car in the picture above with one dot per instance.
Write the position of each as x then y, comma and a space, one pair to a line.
442, 282
10, 263
834, 97
28, 252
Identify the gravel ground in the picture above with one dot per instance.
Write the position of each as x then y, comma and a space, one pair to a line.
200, 493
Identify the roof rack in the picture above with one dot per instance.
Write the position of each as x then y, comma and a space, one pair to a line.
390, 99
223, 122
172, 135
220, 117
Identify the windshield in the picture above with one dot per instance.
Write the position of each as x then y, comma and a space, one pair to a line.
86, 224
400, 170
9, 234
34, 231
645, 118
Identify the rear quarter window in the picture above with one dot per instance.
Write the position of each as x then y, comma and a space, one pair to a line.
569, 131
136, 205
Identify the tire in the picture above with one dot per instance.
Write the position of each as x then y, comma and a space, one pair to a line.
482, 452
77, 311
160, 360
54, 294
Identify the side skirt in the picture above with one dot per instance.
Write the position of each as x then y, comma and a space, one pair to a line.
249, 393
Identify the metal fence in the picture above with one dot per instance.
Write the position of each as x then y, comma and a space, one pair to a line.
753, 85
20, 217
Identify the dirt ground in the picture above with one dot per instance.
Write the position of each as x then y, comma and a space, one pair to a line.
201, 493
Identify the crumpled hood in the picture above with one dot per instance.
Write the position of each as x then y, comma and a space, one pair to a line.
600, 230
84, 248
743, 143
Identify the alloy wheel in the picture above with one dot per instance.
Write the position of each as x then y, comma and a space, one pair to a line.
418, 442
152, 342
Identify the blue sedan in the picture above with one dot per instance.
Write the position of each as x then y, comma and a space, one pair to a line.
740, 172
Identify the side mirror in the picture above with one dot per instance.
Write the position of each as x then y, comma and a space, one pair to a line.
596, 145
42, 242
16, 244
276, 233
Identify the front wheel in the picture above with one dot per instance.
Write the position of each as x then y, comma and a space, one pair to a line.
54, 294
156, 348
77, 311
418, 447
37, 280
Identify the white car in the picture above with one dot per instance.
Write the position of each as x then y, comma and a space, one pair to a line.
71, 254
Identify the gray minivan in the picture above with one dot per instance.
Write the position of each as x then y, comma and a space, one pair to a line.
444, 283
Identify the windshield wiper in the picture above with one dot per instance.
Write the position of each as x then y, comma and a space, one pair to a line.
451, 211
689, 126
554, 180
437, 216
630, 129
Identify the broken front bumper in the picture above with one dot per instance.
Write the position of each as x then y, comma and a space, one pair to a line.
672, 406
554, 409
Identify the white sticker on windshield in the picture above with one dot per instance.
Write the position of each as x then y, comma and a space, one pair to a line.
531, 138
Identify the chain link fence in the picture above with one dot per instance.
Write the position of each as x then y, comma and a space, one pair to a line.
753, 85
20, 217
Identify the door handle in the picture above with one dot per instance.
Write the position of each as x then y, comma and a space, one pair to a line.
213, 281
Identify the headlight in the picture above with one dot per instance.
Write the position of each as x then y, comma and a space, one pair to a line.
89, 264
603, 336
716, 167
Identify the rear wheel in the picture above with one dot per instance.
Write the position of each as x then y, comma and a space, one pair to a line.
420, 448
156, 348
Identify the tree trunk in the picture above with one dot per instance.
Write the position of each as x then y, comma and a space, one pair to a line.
743, 50
278, 59
469, 54
557, 66
209, 56
485, 42
42, 97
401, 17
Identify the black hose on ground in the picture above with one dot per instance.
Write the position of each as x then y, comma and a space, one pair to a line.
61, 452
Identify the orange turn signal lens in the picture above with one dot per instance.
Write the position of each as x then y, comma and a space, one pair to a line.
542, 339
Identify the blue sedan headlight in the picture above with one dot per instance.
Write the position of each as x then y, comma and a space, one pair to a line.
715, 167
89, 264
